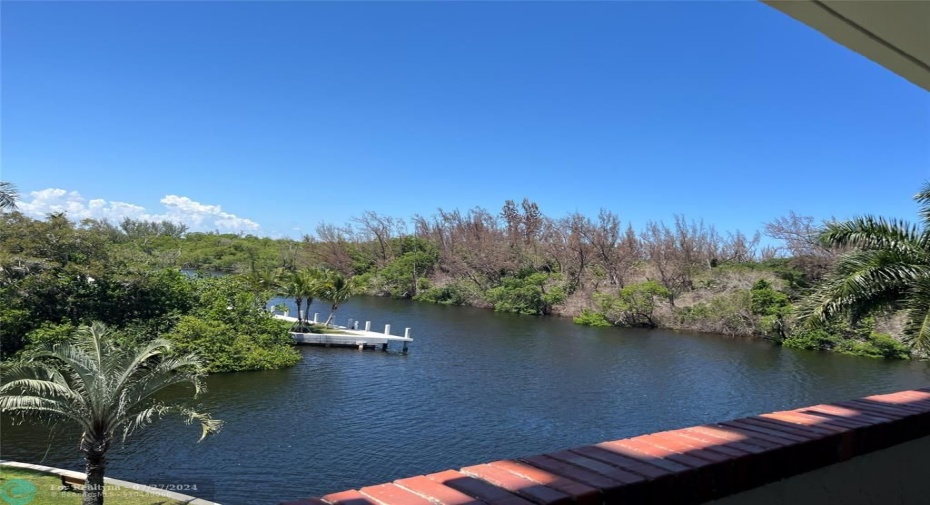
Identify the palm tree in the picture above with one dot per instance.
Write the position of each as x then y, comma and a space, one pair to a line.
887, 268
295, 287
314, 284
303, 285
104, 388
262, 282
336, 290
8, 195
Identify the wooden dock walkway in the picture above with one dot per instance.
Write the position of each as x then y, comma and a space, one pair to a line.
349, 337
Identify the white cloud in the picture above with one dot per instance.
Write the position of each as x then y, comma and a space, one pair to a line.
180, 209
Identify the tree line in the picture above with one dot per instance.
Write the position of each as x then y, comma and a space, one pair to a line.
599, 270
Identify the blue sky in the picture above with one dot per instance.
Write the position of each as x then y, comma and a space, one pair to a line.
273, 117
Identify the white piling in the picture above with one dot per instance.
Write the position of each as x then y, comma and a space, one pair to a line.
406, 332
387, 329
367, 325
315, 316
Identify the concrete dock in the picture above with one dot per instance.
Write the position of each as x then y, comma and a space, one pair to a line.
348, 336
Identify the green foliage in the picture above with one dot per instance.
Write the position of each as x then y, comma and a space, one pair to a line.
876, 345
15, 323
48, 334
634, 305
857, 339
886, 267
728, 313
591, 318
766, 300
811, 339
229, 332
774, 307
403, 277
796, 279
454, 293
215, 252
526, 293
105, 388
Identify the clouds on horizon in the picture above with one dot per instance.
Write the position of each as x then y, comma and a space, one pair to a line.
179, 209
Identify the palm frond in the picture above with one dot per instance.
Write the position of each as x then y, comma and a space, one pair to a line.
863, 281
101, 386
923, 199
44, 409
209, 426
869, 232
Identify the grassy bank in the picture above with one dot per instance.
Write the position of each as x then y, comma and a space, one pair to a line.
19, 484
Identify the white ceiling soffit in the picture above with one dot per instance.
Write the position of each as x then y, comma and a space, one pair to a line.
892, 33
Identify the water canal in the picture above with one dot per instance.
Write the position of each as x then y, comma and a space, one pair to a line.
475, 386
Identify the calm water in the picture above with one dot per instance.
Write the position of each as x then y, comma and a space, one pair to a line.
476, 386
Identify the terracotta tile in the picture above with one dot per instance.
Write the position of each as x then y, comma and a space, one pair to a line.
669, 441
435, 491
480, 489
582, 493
611, 457
806, 422
350, 497
734, 436
857, 415
619, 474
531, 490
392, 494
733, 447
914, 396
656, 455
569, 471
782, 429
888, 409
704, 443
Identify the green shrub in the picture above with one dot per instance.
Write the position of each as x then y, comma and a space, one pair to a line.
877, 345
450, 294
526, 294
813, 339
590, 318
634, 305
230, 332
403, 277
728, 313
50, 333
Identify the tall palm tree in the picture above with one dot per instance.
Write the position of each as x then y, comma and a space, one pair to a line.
336, 290
8, 195
887, 268
104, 388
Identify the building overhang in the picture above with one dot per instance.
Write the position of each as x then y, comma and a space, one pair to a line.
892, 33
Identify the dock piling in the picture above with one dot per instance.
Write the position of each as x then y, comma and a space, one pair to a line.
367, 325
387, 329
